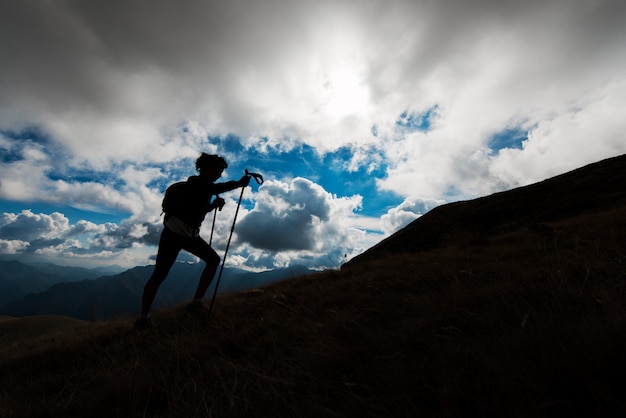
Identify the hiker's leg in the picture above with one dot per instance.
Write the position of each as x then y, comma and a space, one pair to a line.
202, 250
166, 256
206, 278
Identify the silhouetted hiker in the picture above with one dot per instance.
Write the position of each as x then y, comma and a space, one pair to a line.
183, 216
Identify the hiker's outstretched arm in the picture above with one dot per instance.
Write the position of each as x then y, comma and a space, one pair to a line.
227, 186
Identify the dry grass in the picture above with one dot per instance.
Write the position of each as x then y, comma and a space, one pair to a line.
518, 323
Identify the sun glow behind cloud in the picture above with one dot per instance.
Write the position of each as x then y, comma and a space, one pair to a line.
346, 91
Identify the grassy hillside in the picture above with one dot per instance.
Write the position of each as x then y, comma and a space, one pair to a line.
517, 319
13, 330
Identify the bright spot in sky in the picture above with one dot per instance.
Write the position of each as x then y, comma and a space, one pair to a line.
346, 92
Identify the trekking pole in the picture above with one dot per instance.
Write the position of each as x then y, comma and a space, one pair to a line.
213, 226
259, 179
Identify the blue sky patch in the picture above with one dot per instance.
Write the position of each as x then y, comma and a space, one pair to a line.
508, 138
71, 213
329, 171
32, 136
412, 122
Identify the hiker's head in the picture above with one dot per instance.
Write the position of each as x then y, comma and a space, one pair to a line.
211, 165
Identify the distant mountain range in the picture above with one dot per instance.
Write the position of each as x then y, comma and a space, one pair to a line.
19, 279
45, 288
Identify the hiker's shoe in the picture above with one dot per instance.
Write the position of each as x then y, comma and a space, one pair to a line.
198, 310
143, 322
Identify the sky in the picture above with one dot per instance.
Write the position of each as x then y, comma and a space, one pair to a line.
362, 115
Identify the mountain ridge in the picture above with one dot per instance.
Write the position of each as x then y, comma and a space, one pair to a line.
591, 188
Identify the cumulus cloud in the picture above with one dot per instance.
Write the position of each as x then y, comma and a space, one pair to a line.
34, 172
83, 227
54, 235
299, 216
12, 246
127, 235
28, 226
286, 216
568, 140
405, 213
28, 232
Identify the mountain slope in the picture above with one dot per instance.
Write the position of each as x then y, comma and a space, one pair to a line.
513, 316
589, 189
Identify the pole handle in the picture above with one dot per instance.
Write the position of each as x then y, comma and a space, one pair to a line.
256, 176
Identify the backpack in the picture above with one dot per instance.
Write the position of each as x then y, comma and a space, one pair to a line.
176, 199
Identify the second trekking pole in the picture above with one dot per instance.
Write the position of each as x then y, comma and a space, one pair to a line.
259, 179
213, 226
